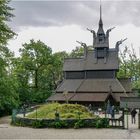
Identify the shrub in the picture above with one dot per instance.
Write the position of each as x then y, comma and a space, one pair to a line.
68, 123
98, 124
105, 122
59, 124
79, 124
65, 111
102, 123
38, 124
18, 124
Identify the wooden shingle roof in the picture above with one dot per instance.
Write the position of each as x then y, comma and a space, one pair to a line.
89, 63
93, 85
86, 97
126, 82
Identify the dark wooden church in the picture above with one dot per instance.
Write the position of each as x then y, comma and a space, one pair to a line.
92, 79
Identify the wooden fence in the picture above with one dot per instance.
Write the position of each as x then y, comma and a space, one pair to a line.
117, 123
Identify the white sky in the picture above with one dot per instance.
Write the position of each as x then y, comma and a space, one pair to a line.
63, 38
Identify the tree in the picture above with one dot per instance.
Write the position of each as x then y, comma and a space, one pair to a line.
79, 51
38, 71
57, 67
8, 86
33, 71
130, 66
5, 15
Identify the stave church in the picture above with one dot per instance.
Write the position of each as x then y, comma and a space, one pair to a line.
92, 79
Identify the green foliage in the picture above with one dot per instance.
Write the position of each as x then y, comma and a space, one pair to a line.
65, 111
66, 123
97, 122
33, 72
138, 90
102, 123
18, 123
9, 97
59, 124
130, 66
8, 94
56, 67
38, 71
5, 15
38, 124
79, 124
79, 51
8, 86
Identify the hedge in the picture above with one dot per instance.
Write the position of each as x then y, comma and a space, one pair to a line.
62, 123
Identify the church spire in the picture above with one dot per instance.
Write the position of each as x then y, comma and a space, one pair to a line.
100, 21
100, 29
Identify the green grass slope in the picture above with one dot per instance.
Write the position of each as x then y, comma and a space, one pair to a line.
65, 110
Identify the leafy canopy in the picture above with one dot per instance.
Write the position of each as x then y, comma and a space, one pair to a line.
5, 15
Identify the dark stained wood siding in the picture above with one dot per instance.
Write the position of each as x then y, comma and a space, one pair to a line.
89, 74
101, 53
74, 75
100, 74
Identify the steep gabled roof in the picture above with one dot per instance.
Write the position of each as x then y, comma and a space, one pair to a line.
91, 63
69, 85
100, 85
91, 85
87, 97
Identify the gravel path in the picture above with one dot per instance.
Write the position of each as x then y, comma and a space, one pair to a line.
11, 132
5, 120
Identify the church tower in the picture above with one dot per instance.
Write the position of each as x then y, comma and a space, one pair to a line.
101, 41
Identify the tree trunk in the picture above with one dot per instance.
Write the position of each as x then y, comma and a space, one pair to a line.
36, 78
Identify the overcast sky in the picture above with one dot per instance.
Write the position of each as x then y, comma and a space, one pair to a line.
60, 23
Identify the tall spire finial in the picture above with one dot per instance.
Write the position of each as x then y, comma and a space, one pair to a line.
100, 10
100, 21
100, 32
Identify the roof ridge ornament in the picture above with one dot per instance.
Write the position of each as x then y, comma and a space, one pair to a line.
94, 35
85, 47
109, 30
118, 43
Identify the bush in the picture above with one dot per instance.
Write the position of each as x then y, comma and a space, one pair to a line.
18, 124
105, 122
68, 123
102, 123
38, 124
98, 124
59, 124
65, 111
79, 124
